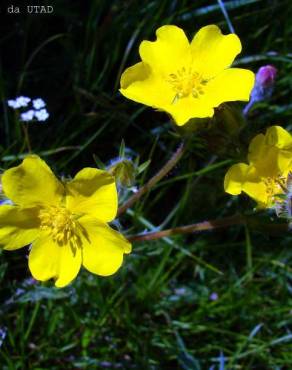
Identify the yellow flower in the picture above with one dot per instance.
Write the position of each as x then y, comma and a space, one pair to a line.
270, 161
66, 223
187, 80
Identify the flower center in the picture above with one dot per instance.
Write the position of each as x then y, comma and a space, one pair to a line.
60, 223
186, 82
275, 186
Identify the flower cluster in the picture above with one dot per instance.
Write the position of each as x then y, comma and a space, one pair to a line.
39, 112
66, 222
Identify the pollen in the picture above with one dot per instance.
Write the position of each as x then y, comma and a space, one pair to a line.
185, 82
60, 223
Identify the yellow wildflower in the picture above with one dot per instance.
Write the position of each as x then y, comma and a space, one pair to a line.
187, 80
66, 223
265, 177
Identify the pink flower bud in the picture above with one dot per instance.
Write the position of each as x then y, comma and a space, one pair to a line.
266, 75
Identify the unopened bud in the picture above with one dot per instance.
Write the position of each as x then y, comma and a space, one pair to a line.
124, 170
263, 88
266, 76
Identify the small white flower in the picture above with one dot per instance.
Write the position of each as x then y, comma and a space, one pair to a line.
12, 103
38, 103
22, 101
41, 115
27, 116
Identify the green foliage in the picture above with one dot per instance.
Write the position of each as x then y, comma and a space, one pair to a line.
159, 310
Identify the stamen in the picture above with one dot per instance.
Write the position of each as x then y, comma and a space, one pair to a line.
186, 83
275, 186
61, 224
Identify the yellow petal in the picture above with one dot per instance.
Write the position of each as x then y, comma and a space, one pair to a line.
243, 178
230, 85
103, 248
271, 153
32, 183
169, 52
186, 108
284, 161
137, 72
279, 137
275, 136
256, 149
235, 178
138, 83
49, 260
257, 190
263, 157
18, 227
93, 192
213, 52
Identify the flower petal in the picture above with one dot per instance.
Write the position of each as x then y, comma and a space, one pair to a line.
186, 108
242, 177
18, 227
256, 148
284, 161
230, 85
235, 178
49, 260
257, 190
271, 153
32, 183
279, 137
103, 248
213, 52
138, 83
93, 192
170, 52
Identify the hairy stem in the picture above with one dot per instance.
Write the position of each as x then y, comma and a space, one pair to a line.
155, 179
252, 222
201, 226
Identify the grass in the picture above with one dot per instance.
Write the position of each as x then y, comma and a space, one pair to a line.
158, 311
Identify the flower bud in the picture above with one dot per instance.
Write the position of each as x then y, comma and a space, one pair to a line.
124, 170
266, 76
263, 88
